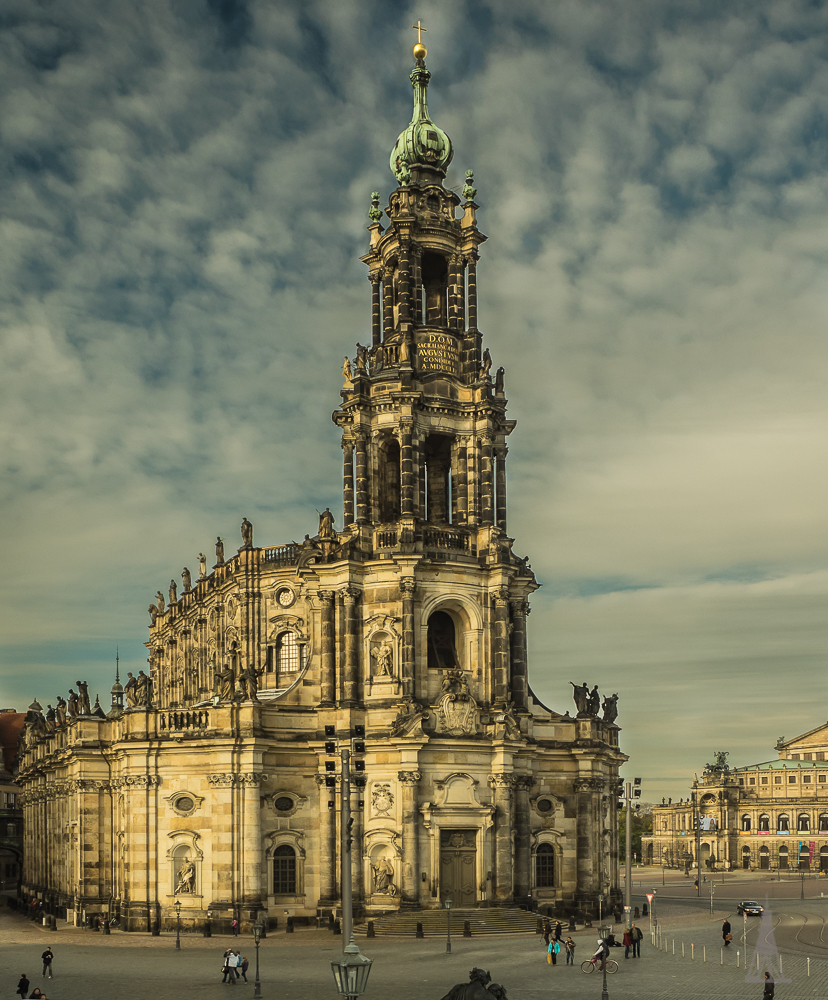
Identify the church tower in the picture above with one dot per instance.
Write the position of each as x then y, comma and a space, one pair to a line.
409, 621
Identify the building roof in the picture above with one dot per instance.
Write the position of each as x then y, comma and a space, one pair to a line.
780, 765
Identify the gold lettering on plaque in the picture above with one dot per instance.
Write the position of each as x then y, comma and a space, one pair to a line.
439, 353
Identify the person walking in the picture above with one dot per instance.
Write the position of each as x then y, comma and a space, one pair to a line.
235, 927
569, 945
226, 968
636, 935
47, 957
557, 930
769, 984
727, 937
245, 965
627, 942
23, 986
553, 951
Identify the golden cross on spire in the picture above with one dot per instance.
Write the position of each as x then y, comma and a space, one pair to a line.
420, 51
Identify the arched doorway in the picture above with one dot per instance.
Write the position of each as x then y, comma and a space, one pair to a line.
823, 858
764, 857
746, 858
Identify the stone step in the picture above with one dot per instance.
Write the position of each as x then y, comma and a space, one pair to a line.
497, 920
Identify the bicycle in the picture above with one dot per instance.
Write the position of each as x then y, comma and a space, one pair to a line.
595, 963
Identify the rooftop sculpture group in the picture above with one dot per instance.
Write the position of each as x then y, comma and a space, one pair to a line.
588, 703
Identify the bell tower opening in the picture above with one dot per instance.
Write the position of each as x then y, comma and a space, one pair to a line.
437, 453
435, 287
390, 480
442, 651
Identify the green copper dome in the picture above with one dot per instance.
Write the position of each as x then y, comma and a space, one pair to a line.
422, 142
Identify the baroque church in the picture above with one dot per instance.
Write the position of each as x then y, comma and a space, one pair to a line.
205, 783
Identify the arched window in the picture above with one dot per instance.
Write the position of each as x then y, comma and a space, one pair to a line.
283, 661
545, 867
390, 481
11, 830
823, 822
442, 651
783, 857
437, 461
284, 871
764, 823
746, 824
783, 824
803, 823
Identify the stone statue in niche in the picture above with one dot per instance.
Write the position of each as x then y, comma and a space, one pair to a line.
382, 799
186, 877
455, 705
383, 875
383, 656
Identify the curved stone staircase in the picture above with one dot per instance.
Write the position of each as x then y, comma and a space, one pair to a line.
494, 920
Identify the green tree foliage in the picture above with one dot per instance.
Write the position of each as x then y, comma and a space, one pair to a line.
642, 824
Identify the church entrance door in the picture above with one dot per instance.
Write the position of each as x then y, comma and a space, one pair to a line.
458, 866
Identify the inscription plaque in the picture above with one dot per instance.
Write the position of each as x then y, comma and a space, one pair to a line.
439, 353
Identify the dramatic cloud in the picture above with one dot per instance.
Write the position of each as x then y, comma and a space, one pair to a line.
184, 206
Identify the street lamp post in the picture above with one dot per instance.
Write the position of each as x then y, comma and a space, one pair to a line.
257, 936
802, 877
178, 924
447, 904
605, 932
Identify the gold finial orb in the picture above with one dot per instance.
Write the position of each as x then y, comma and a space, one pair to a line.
420, 51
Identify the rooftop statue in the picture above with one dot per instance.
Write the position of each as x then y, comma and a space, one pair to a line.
186, 580
202, 566
219, 552
246, 533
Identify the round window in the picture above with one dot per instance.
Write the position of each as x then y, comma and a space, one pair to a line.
544, 806
285, 597
185, 804
283, 803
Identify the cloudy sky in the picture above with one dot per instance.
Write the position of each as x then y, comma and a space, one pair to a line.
184, 199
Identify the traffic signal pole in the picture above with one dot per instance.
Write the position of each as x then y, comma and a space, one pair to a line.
628, 860
346, 823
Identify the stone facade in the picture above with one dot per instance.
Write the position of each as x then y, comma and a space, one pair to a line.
11, 810
772, 815
208, 785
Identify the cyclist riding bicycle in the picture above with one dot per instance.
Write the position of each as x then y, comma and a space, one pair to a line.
600, 956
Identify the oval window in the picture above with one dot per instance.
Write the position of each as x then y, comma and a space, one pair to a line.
283, 803
544, 806
185, 803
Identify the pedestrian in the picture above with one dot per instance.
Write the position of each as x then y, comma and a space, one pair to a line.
226, 967
768, 991
244, 967
636, 935
547, 932
23, 986
36, 994
557, 930
553, 951
233, 965
569, 945
47, 957
727, 937
235, 927
627, 942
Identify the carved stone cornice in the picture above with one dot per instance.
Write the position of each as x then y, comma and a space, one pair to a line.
228, 779
501, 598
350, 595
408, 777
136, 781
588, 784
502, 781
524, 782
407, 586
326, 596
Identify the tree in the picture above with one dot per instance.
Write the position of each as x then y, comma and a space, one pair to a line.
642, 824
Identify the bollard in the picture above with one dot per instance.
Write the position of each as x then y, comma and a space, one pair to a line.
370, 929
337, 927
289, 925
682, 949
737, 958
721, 959
539, 926
704, 953
467, 928
692, 951
419, 933
780, 966
572, 922
105, 926
809, 967
208, 930
674, 946
757, 963
636, 914
53, 924
156, 929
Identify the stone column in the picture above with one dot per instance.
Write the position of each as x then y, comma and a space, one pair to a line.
472, 478
586, 838
407, 586
351, 686
486, 482
418, 287
519, 679
327, 844
472, 292
501, 647
461, 293
501, 488
501, 785
252, 842
388, 302
422, 511
523, 838
348, 481
327, 648
357, 878
376, 311
406, 468
405, 281
362, 500
410, 895
461, 481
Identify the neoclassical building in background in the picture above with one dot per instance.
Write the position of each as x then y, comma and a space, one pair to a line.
767, 816
205, 783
